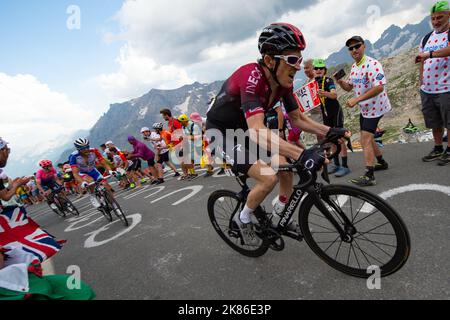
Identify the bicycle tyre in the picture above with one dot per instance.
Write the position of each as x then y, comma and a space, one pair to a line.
104, 209
60, 212
403, 242
228, 220
115, 206
70, 207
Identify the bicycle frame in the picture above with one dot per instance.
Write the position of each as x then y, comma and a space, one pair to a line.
309, 187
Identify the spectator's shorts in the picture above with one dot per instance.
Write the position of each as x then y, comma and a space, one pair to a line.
369, 124
436, 109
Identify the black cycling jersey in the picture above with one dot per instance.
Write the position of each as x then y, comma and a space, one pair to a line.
246, 93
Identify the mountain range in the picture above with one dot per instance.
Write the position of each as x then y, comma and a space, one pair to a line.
393, 41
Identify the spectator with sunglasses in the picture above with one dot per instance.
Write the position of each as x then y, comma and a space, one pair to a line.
368, 80
332, 113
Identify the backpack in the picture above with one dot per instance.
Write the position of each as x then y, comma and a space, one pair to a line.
428, 36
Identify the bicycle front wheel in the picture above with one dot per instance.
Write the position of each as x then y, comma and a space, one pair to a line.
223, 205
115, 207
60, 209
105, 209
68, 206
377, 236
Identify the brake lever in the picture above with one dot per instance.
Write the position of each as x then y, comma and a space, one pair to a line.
349, 144
325, 175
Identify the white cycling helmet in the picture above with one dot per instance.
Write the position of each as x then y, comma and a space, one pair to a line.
81, 144
144, 129
109, 142
158, 126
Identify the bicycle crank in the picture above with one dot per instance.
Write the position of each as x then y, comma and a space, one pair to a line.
276, 242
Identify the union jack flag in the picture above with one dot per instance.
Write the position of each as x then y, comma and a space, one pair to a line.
17, 230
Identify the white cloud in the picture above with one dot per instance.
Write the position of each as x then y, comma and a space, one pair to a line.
32, 115
170, 44
138, 73
326, 33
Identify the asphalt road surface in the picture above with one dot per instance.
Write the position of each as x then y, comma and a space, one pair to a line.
171, 251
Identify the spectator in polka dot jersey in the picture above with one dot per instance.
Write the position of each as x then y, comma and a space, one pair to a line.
367, 79
435, 81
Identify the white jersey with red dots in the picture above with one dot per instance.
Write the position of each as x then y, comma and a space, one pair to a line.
365, 76
436, 71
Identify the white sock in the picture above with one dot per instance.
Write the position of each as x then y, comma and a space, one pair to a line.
246, 215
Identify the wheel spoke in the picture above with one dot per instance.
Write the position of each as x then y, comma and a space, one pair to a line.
381, 263
332, 243
366, 232
355, 223
377, 242
337, 253
375, 245
317, 225
359, 210
359, 248
357, 261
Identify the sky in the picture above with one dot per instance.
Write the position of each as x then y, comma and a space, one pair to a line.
62, 63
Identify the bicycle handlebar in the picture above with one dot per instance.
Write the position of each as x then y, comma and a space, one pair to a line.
99, 181
325, 146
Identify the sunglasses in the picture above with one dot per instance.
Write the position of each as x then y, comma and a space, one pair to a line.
319, 69
8, 150
355, 47
291, 60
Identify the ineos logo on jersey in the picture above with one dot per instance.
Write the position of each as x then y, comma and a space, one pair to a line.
253, 81
310, 164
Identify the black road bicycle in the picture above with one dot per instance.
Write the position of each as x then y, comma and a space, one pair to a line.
63, 205
347, 227
108, 203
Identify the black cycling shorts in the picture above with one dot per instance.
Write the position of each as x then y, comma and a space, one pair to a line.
137, 165
369, 124
240, 153
163, 158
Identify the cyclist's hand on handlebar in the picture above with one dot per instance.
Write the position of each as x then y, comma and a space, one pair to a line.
113, 173
84, 185
338, 135
312, 159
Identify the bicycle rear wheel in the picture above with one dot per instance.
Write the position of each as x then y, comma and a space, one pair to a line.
223, 205
115, 207
377, 235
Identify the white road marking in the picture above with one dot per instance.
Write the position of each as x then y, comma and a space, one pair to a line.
91, 243
415, 187
194, 191
157, 191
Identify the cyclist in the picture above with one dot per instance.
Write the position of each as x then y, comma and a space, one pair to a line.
47, 181
83, 163
242, 103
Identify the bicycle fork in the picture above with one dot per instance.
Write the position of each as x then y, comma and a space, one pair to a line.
349, 232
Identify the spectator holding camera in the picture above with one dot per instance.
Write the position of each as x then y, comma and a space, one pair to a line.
332, 113
368, 80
